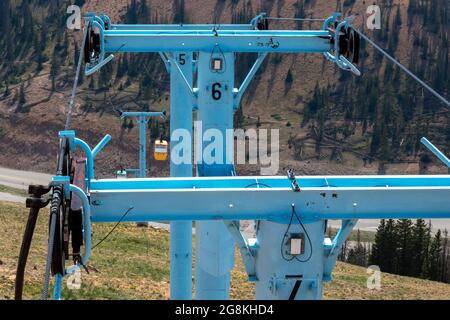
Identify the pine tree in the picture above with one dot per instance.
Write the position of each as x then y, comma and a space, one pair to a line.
404, 245
288, 82
376, 140
426, 260
384, 248
299, 13
144, 12
40, 47
178, 11
445, 259
5, 28
54, 67
357, 255
238, 118
418, 250
379, 244
433, 267
27, 22
398, 19
131, 14
4, 14
6, 92
22, 99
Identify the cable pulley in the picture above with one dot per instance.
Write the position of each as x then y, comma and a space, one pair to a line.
92, 45
349, 43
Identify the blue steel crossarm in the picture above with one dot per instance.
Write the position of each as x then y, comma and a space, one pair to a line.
254, 37
228, 41
228, 199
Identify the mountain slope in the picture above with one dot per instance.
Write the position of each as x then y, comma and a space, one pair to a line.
330, 122
133, 263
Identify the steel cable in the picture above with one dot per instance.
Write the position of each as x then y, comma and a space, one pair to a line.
295, 19
401, 66
77, 76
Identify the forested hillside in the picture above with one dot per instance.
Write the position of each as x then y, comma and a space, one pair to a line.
403, 247
330, 121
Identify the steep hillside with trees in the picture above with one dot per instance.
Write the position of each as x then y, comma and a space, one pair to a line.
330, 121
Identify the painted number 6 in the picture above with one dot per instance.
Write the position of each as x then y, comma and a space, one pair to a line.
216, 93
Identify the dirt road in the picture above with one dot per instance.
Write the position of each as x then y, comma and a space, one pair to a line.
21, 179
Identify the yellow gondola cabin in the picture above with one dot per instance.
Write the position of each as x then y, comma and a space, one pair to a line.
161, 150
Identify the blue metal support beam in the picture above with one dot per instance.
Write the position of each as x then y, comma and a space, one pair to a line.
215, 246
247, 254
332, 252
240, 92
100, 145
165, 60
438, 153
187, 84
181, 105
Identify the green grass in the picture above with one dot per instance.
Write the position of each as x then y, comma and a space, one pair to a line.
134, 264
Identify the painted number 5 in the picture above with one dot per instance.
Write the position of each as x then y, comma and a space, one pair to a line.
182, 59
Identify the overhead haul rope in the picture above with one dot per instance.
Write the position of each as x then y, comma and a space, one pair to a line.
295, 19
392, 59
77, 76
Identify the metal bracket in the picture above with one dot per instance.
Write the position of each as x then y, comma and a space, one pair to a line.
332, 250
36, 201
238, 93
91, 69
294, 183
248, 255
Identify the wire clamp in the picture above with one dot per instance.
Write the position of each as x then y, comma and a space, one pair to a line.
294, 183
